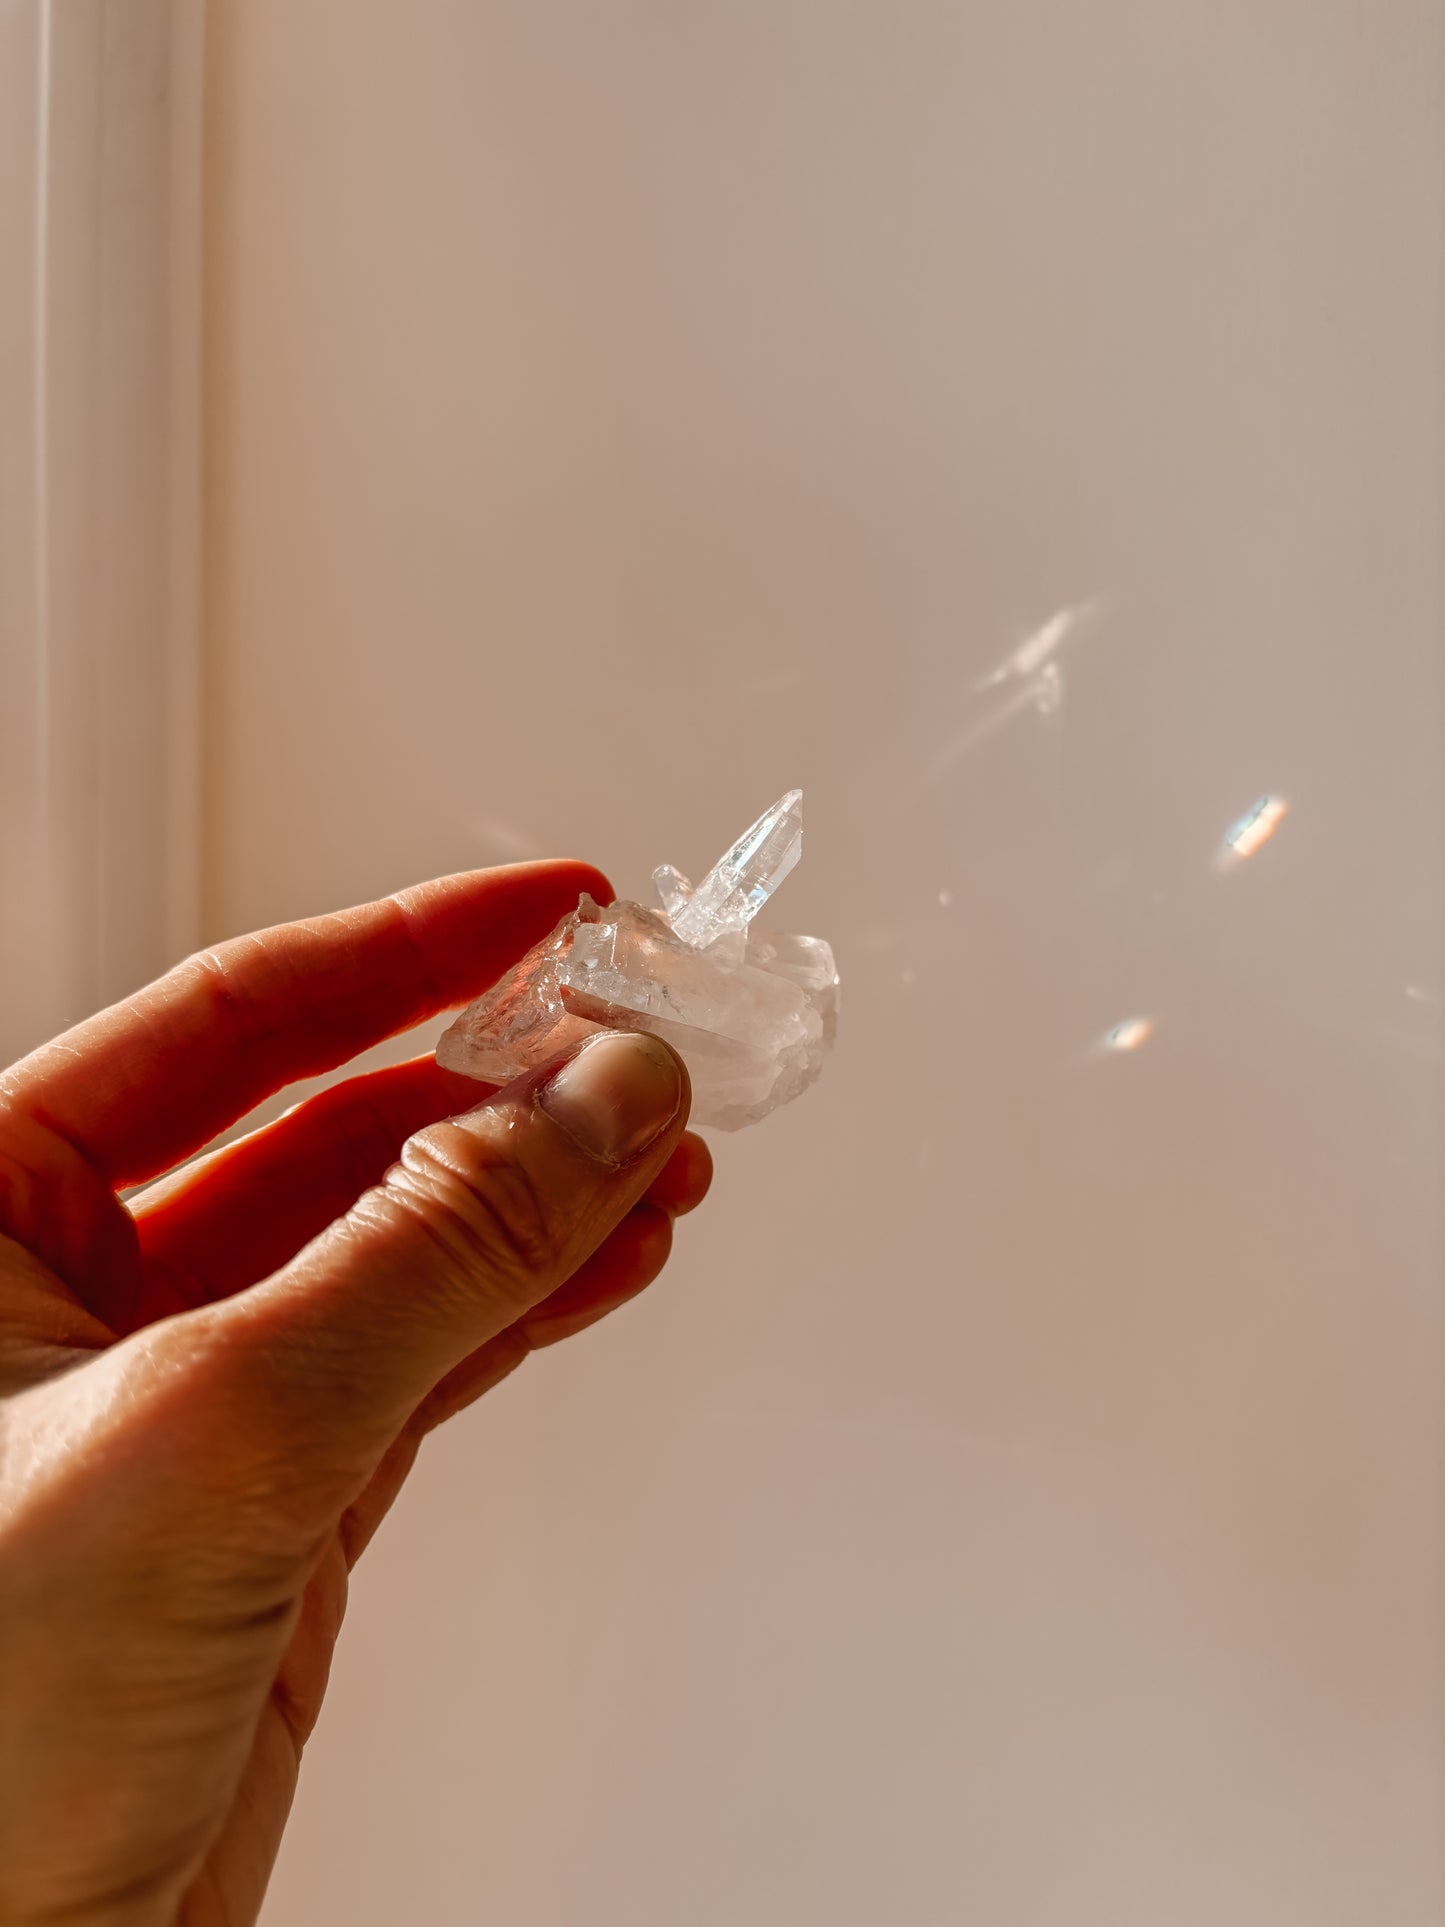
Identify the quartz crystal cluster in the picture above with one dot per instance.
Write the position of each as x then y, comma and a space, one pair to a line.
752, 1013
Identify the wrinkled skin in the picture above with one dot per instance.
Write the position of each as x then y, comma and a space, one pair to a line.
210, 1396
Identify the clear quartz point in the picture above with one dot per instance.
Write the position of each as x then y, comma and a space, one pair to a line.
752, 1013
673, 889
740, 882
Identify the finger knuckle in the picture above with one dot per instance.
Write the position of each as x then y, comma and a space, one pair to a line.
482, 1211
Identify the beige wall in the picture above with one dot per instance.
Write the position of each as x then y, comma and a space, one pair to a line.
1020, 1506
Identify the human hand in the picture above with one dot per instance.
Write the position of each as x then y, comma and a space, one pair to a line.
209, 1398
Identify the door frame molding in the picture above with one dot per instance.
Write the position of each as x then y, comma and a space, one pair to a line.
100, 499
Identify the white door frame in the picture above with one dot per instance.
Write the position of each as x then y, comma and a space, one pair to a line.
100, 413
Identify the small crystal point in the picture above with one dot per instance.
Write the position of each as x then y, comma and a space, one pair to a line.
673, 889
741, 881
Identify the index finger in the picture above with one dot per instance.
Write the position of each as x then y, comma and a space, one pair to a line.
145, 1083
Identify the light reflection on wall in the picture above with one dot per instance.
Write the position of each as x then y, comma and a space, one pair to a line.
1027, 681
1253, 830
1039, 646
1132, 1033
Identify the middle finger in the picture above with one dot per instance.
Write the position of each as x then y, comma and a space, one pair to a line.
234, 1217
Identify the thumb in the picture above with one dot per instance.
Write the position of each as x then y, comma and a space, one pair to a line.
482, 1217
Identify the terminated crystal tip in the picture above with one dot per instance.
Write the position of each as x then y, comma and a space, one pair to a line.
741, 881
673, 890
752, 1014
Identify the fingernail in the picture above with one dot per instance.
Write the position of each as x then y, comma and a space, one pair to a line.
618, 1093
